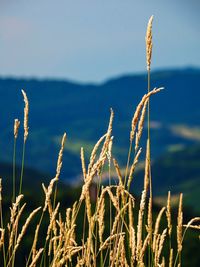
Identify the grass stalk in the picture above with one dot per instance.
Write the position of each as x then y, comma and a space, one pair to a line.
22, 168
14, 171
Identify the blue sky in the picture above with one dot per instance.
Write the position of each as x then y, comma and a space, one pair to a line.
90, 40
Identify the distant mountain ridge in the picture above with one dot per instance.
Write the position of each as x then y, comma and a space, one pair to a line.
83, 112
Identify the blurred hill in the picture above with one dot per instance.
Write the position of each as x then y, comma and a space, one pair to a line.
82, 110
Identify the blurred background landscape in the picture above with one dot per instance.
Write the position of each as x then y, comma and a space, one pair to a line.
75, 60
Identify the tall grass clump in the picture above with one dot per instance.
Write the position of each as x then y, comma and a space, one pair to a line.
115, 229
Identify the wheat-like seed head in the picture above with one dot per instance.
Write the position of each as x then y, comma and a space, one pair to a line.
138, 110
150, 219
35, 259
2, 231
109, 239
168, 214
60, 156
133, 166
34, 249
25, 226
118, 171
149, 43
180, 223
83, 163
161, 243
171, 258
140, 223
16, 128
140, 125
109, 153
26, 113
101, 220
157, 225
142, 252
53, 219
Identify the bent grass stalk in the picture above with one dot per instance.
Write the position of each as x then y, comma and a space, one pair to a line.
26, 128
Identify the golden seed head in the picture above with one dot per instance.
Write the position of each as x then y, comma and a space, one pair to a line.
26, 111
149, 43
16, 128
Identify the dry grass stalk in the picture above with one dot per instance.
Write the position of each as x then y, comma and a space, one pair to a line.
161, 243
13, 211
171, 258
36, 258
130, 213
140, 125
147, 164
2, 231
168, 214
113, 198
117, 217
132, 169
157, 225
118, 171
34, 246
150, 219
121, 253
25, 226
83, 164
149, 43
93, 168
26, 112
52, 221
109, 153
60, 156
68, 218
140, 223
94, 152
163, 262
138, 110
197, 227
48, 191
16, 128
132, 245
108, 135
22, 233
14, 226
144, 247
132, 237
97, 166
180, 224
189, 224
109, 239
88, 208
101, 220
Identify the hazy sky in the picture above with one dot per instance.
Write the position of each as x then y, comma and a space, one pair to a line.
92, 40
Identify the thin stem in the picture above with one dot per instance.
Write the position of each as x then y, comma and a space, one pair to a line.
14, 170
40, 222
22, 168
83, 237
1, 217
150, 260
110, 206
149, 135
128, 162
